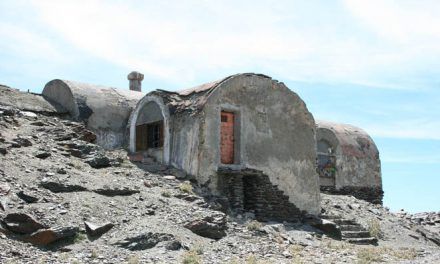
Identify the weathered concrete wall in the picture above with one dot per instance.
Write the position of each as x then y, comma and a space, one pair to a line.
105, 110
149, 113
357, 158
276, 136
185, 143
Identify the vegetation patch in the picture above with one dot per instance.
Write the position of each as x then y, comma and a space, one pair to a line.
186, 187
374, 228
254, 225
191, 257
166, 193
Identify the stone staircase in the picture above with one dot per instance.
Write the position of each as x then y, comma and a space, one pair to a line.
249, 190
351, 231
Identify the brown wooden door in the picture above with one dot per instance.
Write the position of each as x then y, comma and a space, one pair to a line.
227, 137
141, 137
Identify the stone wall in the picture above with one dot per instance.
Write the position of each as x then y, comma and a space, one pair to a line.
251, 191
370, 194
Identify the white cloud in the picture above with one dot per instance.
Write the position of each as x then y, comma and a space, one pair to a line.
401, 21
421, 128
180, 40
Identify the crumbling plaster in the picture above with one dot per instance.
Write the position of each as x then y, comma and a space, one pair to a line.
357, 157
104, 110
137, 112
277, 136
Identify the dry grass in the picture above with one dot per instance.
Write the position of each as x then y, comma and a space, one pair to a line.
338, 245
252, 259
403, 253
191, 257
374, 228
368, 255
254, 225
166, 193
296, 252
133, 259
186, 187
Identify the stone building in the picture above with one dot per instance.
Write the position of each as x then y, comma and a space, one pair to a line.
105, 110
348, 162
247, 137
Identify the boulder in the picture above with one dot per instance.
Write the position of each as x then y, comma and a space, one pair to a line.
428, 235
28, 114
85, 134
3, 204
3, 150
329, 228
21, 223
211, 226
98, 160
173, 245
79, 149
144, 241
4, 188
48, 236
26, 197
108, 191
38, 123
43, 154
60, 187
96, 230
23, 142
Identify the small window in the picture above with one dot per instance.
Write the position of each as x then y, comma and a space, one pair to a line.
149, 136
155, 131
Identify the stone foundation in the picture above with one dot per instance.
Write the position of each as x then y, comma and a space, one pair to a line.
251, 191
373, 195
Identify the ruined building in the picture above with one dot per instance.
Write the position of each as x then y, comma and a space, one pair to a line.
348, 162
246, 137
105, 110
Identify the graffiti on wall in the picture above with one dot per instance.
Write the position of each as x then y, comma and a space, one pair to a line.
326, 165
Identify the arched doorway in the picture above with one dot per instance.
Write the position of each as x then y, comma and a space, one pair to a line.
326, 163
149, 129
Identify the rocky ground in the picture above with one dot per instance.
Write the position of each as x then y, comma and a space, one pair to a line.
63, 199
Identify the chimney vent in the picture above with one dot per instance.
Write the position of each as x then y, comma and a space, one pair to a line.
135, 79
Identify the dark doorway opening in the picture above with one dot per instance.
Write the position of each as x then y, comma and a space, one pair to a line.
149, 136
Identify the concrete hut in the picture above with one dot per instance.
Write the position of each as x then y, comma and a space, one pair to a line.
105, 110
348, 162
247, 137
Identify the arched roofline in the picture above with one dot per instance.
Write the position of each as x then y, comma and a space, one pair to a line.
166, 120
73, 110
345, 134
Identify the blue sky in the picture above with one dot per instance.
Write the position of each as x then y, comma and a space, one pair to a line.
373, 64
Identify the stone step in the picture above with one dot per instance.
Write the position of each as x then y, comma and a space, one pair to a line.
356, 227
362, 241
355, 234
330, 217
344, 221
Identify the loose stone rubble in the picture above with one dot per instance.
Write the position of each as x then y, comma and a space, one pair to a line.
44, 204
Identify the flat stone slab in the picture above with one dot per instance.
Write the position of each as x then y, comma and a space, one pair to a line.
97, 229
48, 236
20, 223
